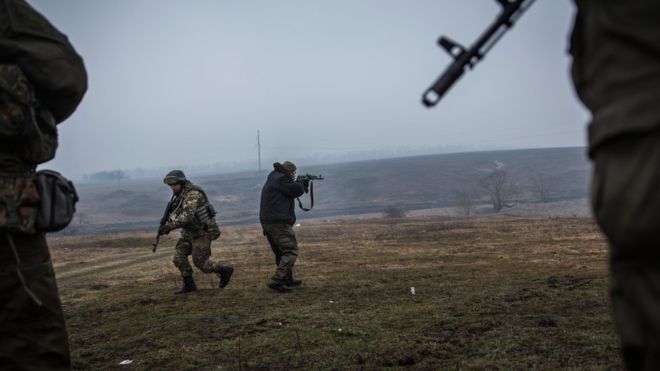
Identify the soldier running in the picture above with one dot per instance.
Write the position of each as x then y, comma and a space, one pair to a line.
191, 211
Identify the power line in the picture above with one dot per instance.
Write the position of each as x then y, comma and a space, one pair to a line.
259, 149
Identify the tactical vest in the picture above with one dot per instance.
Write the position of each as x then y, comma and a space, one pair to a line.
204, 218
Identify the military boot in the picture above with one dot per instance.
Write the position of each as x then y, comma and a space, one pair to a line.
291, 282
279, 286
188, 285
225, 275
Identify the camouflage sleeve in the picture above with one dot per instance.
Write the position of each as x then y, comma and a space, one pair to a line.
191, 202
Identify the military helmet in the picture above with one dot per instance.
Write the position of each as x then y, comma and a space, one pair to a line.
174, 177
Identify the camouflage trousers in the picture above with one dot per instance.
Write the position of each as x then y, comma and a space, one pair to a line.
200, 249
32, 337
283, 242
626, 203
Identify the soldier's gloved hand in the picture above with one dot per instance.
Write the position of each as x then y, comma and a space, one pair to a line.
306, 185
166, 229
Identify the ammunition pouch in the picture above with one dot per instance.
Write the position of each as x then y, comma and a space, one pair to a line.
58, 201
204, 213
204, 218
212, 230
19, 202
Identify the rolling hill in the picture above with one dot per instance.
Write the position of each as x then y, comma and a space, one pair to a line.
546, 182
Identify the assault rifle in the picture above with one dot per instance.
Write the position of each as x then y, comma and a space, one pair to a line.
511, 11
308, 178
163, 220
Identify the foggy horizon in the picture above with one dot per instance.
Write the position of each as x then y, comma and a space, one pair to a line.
189, 85
304, 164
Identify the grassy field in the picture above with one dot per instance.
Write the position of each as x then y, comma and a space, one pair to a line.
489, 294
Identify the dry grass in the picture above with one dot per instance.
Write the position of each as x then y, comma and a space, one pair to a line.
490, 293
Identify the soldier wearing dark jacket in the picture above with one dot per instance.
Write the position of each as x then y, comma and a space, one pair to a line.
42, 81
616, 71
277, 217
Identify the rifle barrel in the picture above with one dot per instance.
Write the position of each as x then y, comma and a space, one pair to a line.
511, 12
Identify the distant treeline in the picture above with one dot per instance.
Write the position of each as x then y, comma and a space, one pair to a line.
113, 176
227, 167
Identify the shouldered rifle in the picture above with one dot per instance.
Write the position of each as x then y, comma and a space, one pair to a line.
163, 220
309, 179
511, 11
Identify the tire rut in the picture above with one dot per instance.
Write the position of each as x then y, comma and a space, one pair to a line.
104, 265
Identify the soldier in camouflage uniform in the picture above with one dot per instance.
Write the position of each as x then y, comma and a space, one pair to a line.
42, 80
277, 216
616, 71
188, 204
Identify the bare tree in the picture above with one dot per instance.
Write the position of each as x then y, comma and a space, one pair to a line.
500, 188
466, 200
542, 186
78, 223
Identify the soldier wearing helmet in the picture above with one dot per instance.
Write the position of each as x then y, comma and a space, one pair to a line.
192, 212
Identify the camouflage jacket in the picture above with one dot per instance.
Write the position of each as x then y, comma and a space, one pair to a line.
42, 81
182, 213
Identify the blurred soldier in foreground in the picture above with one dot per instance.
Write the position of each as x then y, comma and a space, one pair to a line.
277, 216
616, 71
42, 81
191, 211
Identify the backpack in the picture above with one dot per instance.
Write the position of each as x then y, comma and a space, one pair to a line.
55, 70
27, 129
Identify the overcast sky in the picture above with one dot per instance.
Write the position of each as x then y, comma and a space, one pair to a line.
184, 82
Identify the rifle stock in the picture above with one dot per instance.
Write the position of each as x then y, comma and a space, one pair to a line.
155, 244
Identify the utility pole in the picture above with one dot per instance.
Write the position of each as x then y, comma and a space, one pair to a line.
259, 150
